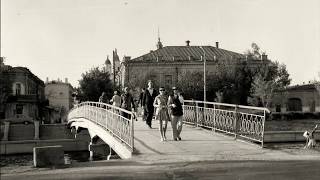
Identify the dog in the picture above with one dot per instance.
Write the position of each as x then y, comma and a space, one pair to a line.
310, 140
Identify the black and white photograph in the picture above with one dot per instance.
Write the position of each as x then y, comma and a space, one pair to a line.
160, 89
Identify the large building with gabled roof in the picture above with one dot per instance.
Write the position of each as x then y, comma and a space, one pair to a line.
166, 64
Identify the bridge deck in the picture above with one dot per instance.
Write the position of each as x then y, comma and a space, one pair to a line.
199, 145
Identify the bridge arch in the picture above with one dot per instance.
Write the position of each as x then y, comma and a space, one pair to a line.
108, 123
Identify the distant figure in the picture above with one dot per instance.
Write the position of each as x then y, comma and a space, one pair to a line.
141, 110
127, 102
147, 103
141, 96
175, 102
162, 114
103, 98
116, 99
310, 141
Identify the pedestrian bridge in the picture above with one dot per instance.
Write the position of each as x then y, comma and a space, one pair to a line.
126, 136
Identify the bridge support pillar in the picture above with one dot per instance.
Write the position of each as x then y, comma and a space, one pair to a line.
36, 129
6, 131
90, 150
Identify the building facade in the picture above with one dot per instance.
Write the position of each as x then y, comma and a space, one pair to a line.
300, 98
26, 100
60, 99
168, 63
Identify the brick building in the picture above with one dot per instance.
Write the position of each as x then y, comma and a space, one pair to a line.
300, 98
27, 98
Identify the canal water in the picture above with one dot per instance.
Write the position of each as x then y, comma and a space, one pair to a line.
69, 157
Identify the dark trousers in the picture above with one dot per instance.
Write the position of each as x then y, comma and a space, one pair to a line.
149, 116
126, 115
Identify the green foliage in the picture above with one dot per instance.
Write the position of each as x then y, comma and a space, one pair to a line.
5, 87
93, 83
231, 82
254, 53
191, 84
268, 79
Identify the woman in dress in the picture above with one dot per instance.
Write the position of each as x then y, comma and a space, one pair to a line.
162, 114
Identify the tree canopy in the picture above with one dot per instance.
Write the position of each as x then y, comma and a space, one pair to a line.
93, 83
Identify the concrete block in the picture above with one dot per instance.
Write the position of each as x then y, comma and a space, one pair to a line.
48, 156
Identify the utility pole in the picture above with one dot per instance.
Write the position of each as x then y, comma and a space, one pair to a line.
204, 75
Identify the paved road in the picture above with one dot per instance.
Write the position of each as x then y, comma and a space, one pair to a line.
262, 170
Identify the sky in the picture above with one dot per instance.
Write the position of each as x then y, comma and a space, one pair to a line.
65, 38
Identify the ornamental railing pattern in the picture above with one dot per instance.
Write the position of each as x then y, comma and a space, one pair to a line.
116, 121
241, 121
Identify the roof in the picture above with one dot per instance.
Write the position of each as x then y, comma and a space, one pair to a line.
172, 53
107, 61
24, 70
304, 87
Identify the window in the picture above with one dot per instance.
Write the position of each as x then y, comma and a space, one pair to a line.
278, 108
313, 106
168, 80
19, 109
18, 89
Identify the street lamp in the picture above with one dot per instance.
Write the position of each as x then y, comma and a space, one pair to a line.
204, 75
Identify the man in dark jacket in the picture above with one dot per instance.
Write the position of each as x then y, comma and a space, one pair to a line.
147, 103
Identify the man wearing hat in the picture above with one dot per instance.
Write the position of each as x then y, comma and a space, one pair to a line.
175, 102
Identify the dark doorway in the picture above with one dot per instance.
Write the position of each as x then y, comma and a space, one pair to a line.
294, 104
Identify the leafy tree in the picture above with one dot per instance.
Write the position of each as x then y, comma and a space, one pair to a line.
191, 83
254, 53
93, 83
262, 91
268, 78
5, 87
230, 82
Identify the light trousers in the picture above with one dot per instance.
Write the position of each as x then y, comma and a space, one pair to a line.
176, 123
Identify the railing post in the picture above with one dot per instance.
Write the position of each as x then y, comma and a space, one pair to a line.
132, 132
197, 113
263, 122
204, 112
214, 118
236, 122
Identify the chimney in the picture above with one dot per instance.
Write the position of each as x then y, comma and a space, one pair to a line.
217, 44
187, 43
47, 80
264, 57
126, 58
66, 80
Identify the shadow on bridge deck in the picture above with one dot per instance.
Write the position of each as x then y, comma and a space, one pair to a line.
199, 144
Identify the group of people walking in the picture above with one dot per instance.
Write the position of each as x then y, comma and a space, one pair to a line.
166, 107
153, 103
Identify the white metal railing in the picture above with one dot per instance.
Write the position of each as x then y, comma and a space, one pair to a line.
244, 121
116, 121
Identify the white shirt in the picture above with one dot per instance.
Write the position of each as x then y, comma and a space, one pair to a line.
150, 91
